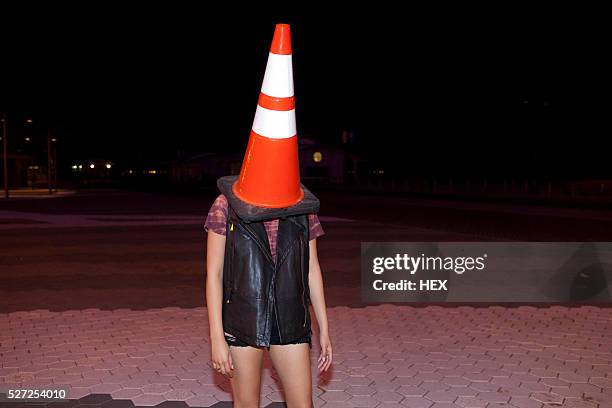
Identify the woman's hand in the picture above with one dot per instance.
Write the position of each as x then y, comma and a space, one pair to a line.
222, 358
325, 358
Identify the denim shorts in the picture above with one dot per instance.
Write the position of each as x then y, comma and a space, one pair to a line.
274, 337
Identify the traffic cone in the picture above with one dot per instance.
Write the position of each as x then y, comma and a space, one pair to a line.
270, 175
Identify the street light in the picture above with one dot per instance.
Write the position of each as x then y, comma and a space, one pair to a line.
54, 140
51, 161
5, 154
48, 160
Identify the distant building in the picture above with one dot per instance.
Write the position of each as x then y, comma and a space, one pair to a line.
205, 167
23, 170
319, 163
93, 171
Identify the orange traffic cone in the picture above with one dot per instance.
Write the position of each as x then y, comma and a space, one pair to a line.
270, 175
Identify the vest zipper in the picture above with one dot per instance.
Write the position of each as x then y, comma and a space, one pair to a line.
229, 268
303, 284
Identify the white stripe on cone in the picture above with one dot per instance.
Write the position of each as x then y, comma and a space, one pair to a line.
278, 79
274, 124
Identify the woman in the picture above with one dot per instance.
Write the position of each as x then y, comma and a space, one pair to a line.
242, 362
262, 264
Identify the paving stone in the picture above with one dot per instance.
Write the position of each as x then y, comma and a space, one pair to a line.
335, 396
179, 394
493, 397
427, 377
505, 382
547, 398
434, 386
572, 377
601, 382
514, 391
456, 381
378, 376
388, 396
79, 392
334, 386
416, 402
567, 392
543, 373
484, 386
535, 387
470, 402
126, 393
406, 381
390, 405
463, 391
338, 404
474, 377
360, 390
411, 391
105, 388
95, 399
441, 396
172, 404
358, 380
591, 388
363, 401
578, 403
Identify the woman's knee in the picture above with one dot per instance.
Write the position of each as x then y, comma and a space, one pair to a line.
246, 380
300, 404
245, 402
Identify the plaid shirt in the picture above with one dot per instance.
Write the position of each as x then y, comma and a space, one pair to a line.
217, 216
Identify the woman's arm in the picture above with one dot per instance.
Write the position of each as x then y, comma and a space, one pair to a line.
215, 252
315, 282
317, 298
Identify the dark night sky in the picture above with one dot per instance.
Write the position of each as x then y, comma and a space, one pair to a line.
484, 91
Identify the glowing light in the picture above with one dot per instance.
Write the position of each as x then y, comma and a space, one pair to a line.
317, 157
108, 165
91, 166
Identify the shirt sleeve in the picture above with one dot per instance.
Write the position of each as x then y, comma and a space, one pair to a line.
316, 230
217, 216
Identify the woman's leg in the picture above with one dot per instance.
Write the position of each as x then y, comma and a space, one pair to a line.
246, 382
292, 363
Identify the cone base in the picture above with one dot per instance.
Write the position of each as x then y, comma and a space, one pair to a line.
287, 203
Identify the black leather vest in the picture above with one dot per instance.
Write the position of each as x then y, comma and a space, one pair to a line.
254, 284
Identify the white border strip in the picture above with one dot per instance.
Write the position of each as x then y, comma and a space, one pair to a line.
278, 79
274, 124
